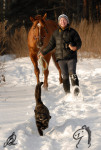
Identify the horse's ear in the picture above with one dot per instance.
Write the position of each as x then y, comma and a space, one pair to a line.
32, 19
84, 127
45, 15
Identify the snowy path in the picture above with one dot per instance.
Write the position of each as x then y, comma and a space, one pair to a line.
68, 113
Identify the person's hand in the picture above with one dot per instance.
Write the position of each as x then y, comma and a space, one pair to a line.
40, 55
73, 48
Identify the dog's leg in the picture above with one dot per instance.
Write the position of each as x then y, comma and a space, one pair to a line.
40, 131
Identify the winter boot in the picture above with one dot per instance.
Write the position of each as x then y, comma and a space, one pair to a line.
75, 82
66, 85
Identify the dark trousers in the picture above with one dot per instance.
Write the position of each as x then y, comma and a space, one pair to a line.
68, 68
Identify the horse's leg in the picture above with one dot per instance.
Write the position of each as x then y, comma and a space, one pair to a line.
46, 72
57, 66
35, 63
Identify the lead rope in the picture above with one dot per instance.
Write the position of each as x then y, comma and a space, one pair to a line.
41, 61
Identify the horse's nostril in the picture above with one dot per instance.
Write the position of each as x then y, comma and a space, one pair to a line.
78, 134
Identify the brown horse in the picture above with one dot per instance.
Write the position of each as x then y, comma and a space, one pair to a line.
38, 38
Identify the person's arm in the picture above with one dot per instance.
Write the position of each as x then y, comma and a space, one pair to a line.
51, 45
77, 41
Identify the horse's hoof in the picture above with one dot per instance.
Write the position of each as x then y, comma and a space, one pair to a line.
45, 87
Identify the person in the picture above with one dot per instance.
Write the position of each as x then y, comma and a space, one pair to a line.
67, 41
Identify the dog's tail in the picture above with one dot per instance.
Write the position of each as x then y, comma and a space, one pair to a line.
38, 92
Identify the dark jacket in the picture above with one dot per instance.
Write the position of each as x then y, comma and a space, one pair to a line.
60, 39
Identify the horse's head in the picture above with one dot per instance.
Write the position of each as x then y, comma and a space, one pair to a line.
79, 134
39, 29
83, 132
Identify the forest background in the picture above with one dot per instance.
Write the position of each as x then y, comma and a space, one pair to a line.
84, 16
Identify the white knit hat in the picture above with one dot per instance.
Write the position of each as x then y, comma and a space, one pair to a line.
63, 16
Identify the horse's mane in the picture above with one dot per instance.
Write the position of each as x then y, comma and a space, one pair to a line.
89, 133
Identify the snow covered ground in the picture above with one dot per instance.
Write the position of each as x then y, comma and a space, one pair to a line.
68, 113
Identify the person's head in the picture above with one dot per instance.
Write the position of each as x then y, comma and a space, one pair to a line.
63, 21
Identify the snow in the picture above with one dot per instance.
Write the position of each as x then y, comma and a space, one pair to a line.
69, 113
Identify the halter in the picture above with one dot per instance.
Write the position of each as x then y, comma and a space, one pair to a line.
39, 27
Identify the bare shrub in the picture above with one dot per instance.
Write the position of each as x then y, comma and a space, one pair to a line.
13, 43
91, 41
1, 51
17, 43
2, 72
2, 37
